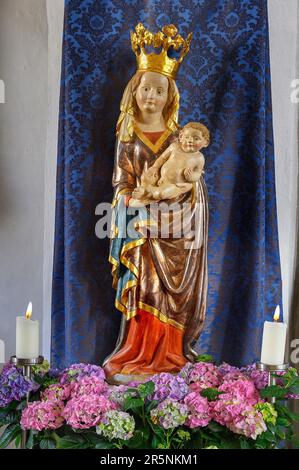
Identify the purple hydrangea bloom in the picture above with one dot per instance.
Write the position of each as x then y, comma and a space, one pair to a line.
259, 377
225, 368
54, 373
292, 396
186, 371
133, 384
14, 386
78, 371
169, 386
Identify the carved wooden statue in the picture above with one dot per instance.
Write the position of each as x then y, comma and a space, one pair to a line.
160, 282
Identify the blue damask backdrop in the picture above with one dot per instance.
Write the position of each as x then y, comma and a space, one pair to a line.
225, 83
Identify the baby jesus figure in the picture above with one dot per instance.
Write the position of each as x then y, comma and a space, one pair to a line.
180, 165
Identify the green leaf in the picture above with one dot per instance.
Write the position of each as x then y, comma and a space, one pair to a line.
245, 444
206, 435
289, 378
196, 441
292, 382
292, 415
215, 427
22, 405
145, 433
204, 358
93, 438
47, 443
9, 434
133, 403
146, 389
280, 433
273, 391
282, 409
283, 422
47, 381
156, 428
104, 445
151, 405
30, 440
294, 440
294, 389
232, 443
137, 441
210, 393
271, 427
8, 416
261, 444
268, 436
156, 441
18, 441
71, 442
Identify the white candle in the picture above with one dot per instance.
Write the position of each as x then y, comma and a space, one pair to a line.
27, 341
274, 341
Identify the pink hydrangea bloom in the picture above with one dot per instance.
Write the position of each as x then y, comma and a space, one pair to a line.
40, 415
197, 387
56, 392
205, 373
89, 386
237, 415
235, 375
225, 410
249, 422
198, 410
85, 411
242, 389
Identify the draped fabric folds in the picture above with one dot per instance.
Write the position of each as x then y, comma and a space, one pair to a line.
224, 82
165, 276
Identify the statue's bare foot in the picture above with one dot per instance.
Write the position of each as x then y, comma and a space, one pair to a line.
156, 194
136, 202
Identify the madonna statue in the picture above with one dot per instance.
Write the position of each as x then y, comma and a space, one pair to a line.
161, 283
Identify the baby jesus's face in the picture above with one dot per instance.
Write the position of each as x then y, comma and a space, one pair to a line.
192, 140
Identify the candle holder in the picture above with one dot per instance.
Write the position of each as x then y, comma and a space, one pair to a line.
271, 369
26, 365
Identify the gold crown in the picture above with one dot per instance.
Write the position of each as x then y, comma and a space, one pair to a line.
166, 38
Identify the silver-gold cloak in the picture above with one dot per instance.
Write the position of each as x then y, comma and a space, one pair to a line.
166, 277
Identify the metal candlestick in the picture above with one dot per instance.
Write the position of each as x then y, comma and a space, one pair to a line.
26, 365
271, 369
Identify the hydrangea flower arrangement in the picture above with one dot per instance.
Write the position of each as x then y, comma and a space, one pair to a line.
203, 406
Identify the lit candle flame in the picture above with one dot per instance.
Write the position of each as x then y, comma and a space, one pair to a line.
29, 311
277, 313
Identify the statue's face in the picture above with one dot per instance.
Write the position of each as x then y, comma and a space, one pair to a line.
192, 140
152, 92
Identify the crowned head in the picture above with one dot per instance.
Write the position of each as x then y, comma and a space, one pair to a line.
163, 40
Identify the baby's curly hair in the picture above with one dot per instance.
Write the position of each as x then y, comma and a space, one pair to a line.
201, 127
